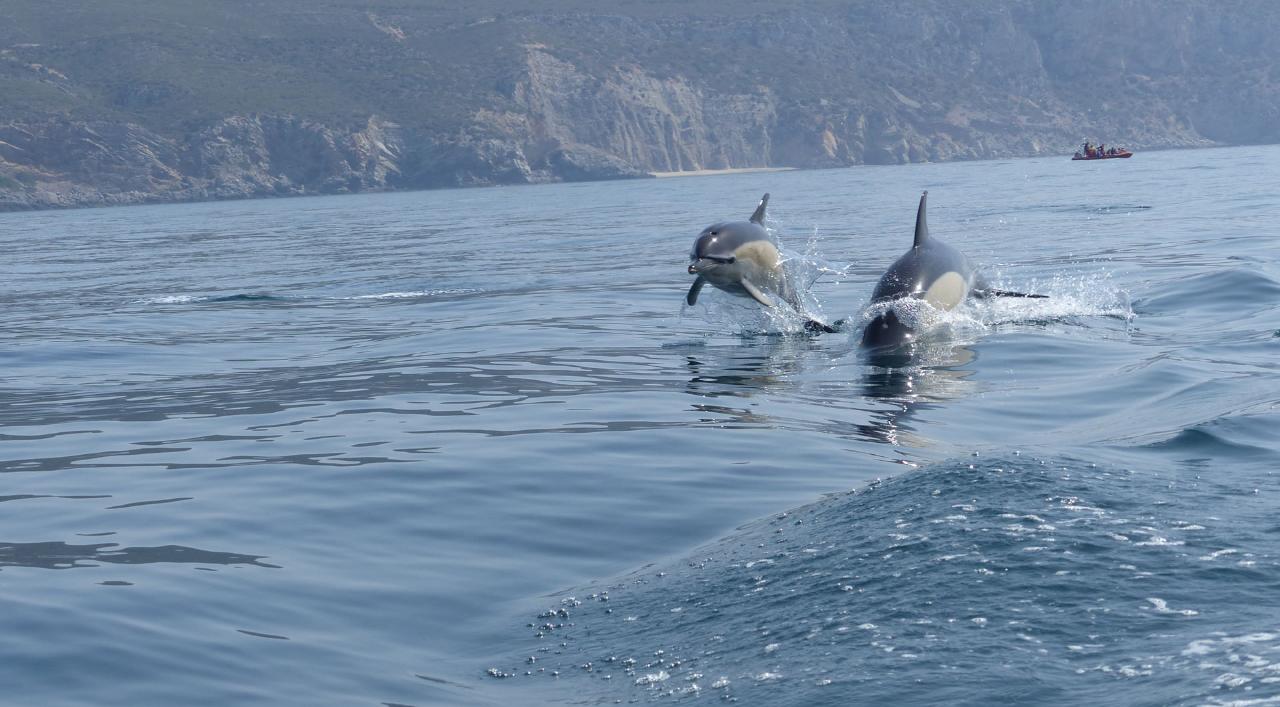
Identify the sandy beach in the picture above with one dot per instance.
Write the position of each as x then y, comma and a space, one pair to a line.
709, 172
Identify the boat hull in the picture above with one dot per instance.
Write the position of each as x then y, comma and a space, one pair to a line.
1120, 156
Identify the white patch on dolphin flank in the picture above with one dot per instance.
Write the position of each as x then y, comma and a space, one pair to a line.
762, 254
947, 291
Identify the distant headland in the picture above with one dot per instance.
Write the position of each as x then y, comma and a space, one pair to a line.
120, 102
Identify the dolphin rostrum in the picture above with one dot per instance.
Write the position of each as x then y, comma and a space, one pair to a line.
741, 258
931, 271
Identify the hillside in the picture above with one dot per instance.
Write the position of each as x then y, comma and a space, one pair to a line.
128, 101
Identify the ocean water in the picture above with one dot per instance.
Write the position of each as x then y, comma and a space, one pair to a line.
471, 448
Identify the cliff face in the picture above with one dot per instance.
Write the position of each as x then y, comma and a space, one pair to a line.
341, 100
63, 162
655, 124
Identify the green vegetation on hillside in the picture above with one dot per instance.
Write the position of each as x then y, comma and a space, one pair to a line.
490, 92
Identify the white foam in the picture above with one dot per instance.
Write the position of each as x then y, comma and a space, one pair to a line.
414, 294
1160, 541
1206, 646
653, 678
1232, 680
1066, 298
409, 294
174, 299
1160, 606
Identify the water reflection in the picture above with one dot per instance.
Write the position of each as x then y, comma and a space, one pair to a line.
740, 372
453, 385
908, 381
60, 555
894, 387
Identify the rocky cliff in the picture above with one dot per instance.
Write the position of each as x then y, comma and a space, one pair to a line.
236, 100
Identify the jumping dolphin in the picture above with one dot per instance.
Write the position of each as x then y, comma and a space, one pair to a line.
932, 271
741, 258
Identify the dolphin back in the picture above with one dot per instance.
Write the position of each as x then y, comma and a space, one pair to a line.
921, 266
928, 261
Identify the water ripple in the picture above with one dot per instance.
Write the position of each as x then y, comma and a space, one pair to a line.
1015, 562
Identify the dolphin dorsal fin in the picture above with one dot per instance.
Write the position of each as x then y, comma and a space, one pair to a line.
922, 226
758, 216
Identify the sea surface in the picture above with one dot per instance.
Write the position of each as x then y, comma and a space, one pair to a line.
471, 448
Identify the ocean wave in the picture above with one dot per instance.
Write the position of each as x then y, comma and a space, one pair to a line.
268, 297
1012, 579
175, 299
414, 294
1230, 437
199, 299
1234, 289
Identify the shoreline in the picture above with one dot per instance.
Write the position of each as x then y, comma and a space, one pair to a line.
713, 172
10, 203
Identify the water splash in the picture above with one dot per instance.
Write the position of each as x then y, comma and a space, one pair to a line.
1068, 300
1069, 297
804, 269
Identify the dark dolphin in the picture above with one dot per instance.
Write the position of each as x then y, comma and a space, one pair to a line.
741, 258
931, 271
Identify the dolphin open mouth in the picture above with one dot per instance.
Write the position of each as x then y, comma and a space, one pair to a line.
708, 262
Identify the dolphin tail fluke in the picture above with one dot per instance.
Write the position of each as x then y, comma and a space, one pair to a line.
756, 293
692, 297
922, 226
816, 327
758, 216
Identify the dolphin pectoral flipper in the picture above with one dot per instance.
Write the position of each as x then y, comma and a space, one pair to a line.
755, 292
692, 297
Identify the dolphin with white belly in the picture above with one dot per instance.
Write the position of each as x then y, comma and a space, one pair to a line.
931, 271
741, 258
